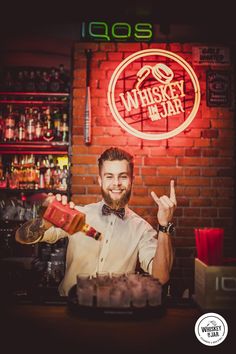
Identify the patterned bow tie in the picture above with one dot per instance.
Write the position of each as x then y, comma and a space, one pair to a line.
106, 210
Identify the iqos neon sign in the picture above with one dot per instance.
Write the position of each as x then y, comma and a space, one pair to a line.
154, 94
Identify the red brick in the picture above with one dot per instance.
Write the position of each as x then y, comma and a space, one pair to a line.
78, 189
94, 189
84, 159
137, 200
192, 212
85, 199
79, 170
170, 171
193, 152
193, 161
210, 133
83, 180
209, 212
191, 171
149, 171
201, 202
159, 161
140, 191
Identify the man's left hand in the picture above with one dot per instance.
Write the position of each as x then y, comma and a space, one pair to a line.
166, 205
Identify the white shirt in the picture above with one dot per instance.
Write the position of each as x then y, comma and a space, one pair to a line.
123, 243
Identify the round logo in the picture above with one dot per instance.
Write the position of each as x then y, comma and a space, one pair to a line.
154, 94
211, 329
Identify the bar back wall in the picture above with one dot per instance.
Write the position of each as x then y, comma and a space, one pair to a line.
201, 159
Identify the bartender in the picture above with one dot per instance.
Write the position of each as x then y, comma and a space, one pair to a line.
125, 237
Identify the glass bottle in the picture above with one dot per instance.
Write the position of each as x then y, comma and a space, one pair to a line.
30, 82
55, 82
21, 128
57, 124
1, 127
38, 127
9, 133
64, 128
30, 125
48, 134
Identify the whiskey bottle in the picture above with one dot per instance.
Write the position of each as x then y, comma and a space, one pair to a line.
57, 124
30, 125
48, 134
9, 133
64, 128
38, 127
21, 128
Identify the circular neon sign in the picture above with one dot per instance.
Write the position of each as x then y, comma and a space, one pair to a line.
154, 94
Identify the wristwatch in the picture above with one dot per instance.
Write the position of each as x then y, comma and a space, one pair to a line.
168, 229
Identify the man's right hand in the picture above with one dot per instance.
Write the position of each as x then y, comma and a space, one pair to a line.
60, 198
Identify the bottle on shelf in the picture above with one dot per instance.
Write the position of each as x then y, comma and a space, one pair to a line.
64, 78
38, 127
30, 124
1, 127
64, 178
57, 123
21, 134
55, 84
30, 82
9, 82
19, 82
48, 133
9, 133
43, 82
64, 128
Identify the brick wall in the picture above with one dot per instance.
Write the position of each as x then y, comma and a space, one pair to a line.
201, 159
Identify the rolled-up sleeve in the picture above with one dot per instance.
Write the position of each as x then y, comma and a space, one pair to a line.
147, 249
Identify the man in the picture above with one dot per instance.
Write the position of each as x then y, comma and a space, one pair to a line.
125, 236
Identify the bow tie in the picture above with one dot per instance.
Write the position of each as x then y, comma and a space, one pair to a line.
106, 210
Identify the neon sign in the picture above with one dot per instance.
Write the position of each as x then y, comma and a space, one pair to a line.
118, 31
154, 94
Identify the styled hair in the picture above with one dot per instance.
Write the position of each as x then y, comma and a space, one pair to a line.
114, 153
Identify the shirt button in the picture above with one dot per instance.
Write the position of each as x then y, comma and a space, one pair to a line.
106, 241
111, 223
101, 259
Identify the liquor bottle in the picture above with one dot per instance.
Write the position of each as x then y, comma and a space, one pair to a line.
64, 178
64, 128
38, 127
64, 78
9, 133
30, 82
19, 82
21, 136
9, 82
1, 127
57, 124
43, 82
37, 79
30, 125
48, 134
37, 175
70, 220
55, 84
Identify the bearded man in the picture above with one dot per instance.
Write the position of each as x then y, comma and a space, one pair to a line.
125, 237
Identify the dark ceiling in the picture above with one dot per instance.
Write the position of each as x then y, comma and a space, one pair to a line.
218, 14
179, 11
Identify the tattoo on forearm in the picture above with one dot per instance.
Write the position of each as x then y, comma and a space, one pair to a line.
31, 231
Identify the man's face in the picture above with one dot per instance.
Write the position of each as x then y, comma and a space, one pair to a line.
115, 182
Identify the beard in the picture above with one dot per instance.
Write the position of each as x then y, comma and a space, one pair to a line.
119, 203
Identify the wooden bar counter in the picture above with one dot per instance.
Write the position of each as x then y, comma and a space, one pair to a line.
45, 329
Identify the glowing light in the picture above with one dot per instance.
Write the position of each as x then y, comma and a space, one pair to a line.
166, 94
